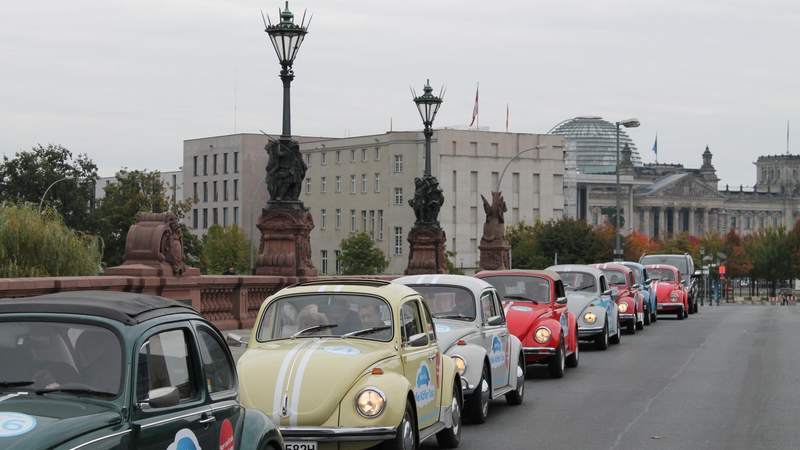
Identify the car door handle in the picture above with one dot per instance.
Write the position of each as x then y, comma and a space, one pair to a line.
207, 419
431, 357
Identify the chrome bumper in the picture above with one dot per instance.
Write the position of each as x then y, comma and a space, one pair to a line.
626, 316
334, 434
538, 351
669, 306
589, 331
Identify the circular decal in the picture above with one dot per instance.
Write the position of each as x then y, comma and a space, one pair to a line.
15, 424
343, 350
226, 436
184, 440
442, 328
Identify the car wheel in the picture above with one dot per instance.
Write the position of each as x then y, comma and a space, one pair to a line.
686, 314
451, 437
647, 316
617, 338
407, 433
478, 405
631, 327
572, 360
558, 362
681, 314
516, 396
601, 340
655, 316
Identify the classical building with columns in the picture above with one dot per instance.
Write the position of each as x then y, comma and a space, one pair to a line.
661, 200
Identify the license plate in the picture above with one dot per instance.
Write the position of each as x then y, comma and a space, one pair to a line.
299, 445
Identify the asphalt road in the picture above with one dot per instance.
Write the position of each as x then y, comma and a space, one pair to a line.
726, 378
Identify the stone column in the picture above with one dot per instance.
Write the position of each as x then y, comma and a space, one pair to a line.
692, 228
662, 223
632, 224
705, 220
647, 231
674, 220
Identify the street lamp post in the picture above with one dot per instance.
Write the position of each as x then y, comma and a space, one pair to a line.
629, 123
41, 201
428, 105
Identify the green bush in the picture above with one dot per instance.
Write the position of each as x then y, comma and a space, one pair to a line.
360, 256
225, 247
39, 245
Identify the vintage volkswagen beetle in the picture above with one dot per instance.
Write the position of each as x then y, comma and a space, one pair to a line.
471, 328
350, 364
536, 310
589, 297
109, 370
670, 293
648, 297
685, 265
629, 300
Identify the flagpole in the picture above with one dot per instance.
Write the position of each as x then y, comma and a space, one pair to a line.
478, 102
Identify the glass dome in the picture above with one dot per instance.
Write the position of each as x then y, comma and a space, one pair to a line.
592, 145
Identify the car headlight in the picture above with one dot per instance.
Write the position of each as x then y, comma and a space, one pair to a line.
590, 317
461, 365
542, 335
370, 403
623, 307
673, 297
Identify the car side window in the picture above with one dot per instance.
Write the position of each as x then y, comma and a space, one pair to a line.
429, 326
410, 322
559, 289
498, 306
487, 306
603, 285
218, 369
164, 360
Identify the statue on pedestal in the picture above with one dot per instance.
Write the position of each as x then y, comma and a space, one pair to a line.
494, 248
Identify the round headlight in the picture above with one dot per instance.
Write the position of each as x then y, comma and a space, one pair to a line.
370, 403
461, 365
623, 307
542, 335
673, 297
590, 317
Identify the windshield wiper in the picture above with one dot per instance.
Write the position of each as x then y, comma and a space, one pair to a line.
314, 328
519, 297
454, 316
76, 391
366, 331
15, 383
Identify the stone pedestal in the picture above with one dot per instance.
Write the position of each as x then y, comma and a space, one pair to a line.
494, 256
285, 248
427, 250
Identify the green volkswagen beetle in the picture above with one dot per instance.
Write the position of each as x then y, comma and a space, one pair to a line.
350, 364
104, 370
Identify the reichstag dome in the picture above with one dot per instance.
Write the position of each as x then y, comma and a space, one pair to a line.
592, 144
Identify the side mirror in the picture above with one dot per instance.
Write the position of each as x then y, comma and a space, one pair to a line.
561, 301
495, 321
648, 281
418, 340
235, 340
684, 282
636, 286
163, 397
608, 292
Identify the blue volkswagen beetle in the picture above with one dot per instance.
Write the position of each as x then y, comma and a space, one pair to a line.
640, 274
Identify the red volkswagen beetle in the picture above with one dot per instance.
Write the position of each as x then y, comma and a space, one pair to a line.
671, 295
629, 300
536, 311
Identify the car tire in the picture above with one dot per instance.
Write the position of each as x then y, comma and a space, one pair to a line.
686, 314
558, 362
655, 316
451, 437
407, 433
478, 405
573, 359
631, 327
617, 338
681, 314
516, 396
601, 340
648, 319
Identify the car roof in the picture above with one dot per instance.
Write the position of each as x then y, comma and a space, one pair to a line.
663, 266
633, 264
471, 283
526, 272
124, 307
380, 288
577, 268
613, 266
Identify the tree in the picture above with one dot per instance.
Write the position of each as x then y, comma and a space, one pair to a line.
360, 256
738, 263
133, 192
225, 247
26, 177
637, 244
771, 253
573, 240
38, 245
451, 266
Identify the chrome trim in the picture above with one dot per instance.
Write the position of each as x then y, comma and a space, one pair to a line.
171, 419
96, 440
533, 351
330, 434
377, 391
626, 316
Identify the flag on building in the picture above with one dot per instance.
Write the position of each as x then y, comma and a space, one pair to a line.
506, 117
655, 147
475, 108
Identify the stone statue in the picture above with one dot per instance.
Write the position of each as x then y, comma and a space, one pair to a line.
173, 250
427, 201
494, 227
285, 170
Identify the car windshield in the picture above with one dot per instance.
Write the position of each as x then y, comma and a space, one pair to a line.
637, 273
662, 274
448, 302
678, 261
578, 281
521, 288
338, 315
60, 356
615, 277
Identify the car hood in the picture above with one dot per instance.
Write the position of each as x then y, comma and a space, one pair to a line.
450, 331
302, 381
578, 301
522, 315
663, 290
45, 422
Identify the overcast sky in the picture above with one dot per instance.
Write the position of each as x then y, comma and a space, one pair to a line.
127, 82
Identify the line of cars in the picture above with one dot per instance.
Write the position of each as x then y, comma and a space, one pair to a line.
330, 364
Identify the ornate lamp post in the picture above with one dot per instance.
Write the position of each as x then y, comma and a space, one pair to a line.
427, 238
630, 123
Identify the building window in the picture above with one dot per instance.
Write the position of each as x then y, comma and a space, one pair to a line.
536, 183
323, 158
558, 184
195, 166
235, 162
236, 215
473, 181
377, 183
473, 146
536, 215
733, 221
323, 184
205, 218
224, 163
205, 164
473, 214
398, 163
216, 195
216, 216
455, 147
194, 218
364, 220
338, 156
324, 261
398, 196
372, 223
338, 184
338, 218
380, 224
352, 184
308, 185
338, 263
205, 191
398, 241
353, 155
495, 179
495, 149
364, 155
515, 182
225, 190
364, 183
323, 218
352, 220
235, 190
215, 164
225, 217
377, 153
195, 196
514, 215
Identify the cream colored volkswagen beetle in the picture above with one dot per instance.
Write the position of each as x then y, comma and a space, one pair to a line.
353, 363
